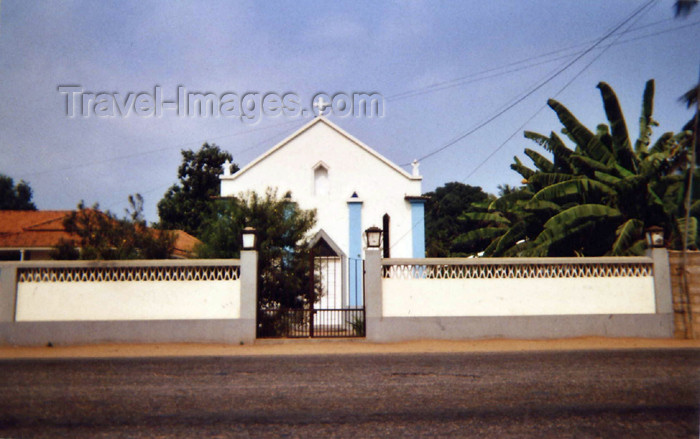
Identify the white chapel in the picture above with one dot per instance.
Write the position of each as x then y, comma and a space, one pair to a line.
350, 185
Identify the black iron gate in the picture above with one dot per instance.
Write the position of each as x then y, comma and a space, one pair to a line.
338, 311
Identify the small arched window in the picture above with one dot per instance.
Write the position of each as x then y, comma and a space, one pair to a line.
320, 180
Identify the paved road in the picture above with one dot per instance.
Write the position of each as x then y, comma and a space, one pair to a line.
639, 394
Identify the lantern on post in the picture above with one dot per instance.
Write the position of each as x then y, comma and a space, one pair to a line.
374, 237
655, 237
250, 238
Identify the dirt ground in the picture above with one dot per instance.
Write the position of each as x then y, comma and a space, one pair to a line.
339, 347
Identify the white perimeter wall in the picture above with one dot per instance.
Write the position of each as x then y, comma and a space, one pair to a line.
517, 297
124, 300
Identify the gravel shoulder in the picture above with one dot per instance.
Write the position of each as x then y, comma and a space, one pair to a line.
339, 347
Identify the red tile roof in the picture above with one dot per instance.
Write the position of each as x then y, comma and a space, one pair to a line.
29, 229
32, 228
184, 243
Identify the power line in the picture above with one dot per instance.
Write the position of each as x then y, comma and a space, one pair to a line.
464, 79
603, 48
457, 82
629, 19
257, 145
539, 86
405, 234
150, 151
561, 90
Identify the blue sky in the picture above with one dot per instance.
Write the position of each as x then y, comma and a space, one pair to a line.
493, 49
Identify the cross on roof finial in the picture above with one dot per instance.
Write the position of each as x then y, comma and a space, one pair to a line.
321, 104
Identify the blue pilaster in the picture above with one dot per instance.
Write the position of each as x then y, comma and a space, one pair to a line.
418, 226
355, 252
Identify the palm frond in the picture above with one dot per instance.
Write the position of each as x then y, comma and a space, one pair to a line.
508, 239
597, 150
521, 169
581, 213
621, 140
479, 235
582, 189
555, 145
542, 206
645, 119
542, 163
663, 143
538, 138
542, 179
504, 202
582, 161
607, 178
491, 217
575, 129
690, 98
627, 235
574, 221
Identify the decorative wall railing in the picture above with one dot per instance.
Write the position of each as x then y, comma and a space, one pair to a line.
129, 271
127, 274
516, 268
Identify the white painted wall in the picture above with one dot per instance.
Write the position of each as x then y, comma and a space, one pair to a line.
144, 300
517, 297
351, 168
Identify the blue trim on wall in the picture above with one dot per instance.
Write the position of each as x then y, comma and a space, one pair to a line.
418, 230
355, 297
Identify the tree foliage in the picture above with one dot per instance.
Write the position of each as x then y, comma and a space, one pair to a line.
443, 207
283, 244
15, 196
103, 236
596, 197
187, 204
683, 8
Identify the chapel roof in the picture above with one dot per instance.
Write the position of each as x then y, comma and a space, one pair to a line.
334, 127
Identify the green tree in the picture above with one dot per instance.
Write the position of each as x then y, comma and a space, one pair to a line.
596, 198
103, 236
187, 204
15, 196
221, 231
506, 189
283, 243
443, 207
683, 8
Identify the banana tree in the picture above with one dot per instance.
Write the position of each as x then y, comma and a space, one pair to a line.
597, 197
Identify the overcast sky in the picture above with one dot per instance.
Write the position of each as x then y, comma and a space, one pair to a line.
483, 55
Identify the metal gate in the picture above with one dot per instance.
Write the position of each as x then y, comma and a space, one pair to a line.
339, 310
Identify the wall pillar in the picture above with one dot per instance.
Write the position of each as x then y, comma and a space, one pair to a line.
662, 281
355, 251
373, 293
249, 294
8, 292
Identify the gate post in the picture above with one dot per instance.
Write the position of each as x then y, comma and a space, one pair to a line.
663, 290
249, 294
312, 291
373, 292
